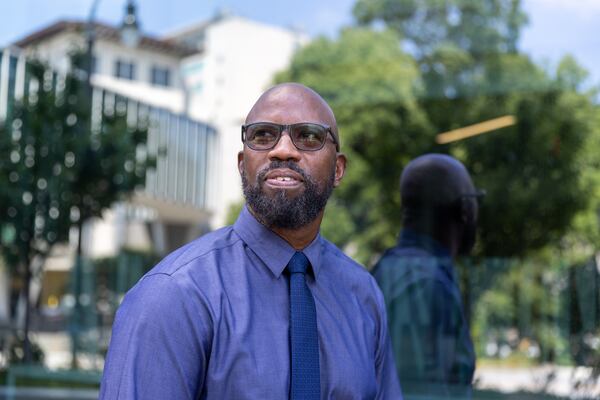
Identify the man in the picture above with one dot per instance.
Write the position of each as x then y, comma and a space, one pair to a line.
266, 308
430, 335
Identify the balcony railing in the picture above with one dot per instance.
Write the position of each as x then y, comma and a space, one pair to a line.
184, 148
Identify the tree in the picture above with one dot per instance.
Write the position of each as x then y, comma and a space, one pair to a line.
478, 27
540, 174
371, 84
386, 118
449, 39
472, 72
56, 172
582, 240
531, 170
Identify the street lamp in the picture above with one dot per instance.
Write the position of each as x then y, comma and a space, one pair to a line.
130, 36
130, 32
90, 33
75, 326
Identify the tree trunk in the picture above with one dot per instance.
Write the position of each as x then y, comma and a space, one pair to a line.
76, 321
27, 288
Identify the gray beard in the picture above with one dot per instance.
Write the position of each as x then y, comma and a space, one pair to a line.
281, 211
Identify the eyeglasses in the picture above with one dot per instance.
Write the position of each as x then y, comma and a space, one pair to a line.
306, 136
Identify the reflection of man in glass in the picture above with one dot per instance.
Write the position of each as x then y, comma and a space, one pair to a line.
430, 335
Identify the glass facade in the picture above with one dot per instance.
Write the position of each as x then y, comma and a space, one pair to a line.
472, 192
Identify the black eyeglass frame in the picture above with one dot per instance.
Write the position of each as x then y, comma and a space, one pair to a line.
289, 128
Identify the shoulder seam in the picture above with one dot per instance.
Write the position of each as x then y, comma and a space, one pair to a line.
193, 259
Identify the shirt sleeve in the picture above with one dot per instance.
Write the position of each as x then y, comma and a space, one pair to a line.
388, 386
159, 344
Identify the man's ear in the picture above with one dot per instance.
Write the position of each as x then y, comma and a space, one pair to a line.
240, 160
340, 169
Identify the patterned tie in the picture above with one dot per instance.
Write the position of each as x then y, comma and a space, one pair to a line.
306, 381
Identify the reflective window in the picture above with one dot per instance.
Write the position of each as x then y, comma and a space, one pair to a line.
124, 70
160, 76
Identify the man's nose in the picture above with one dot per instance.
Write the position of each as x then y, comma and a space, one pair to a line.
285, 149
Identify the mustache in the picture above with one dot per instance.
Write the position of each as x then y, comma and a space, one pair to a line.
283, 164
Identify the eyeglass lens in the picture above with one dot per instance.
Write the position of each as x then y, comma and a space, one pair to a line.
305, 136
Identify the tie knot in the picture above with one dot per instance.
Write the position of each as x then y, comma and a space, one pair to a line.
298, 263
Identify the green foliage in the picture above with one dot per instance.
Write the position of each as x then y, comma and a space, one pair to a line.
542, 212
448, 38
467, 52
55, 172
336, 225
234, 211
479, 27
117, 274
370, 83
530, 170
539, 309
58, 169
36, 167
570, 75
581, 241
17, 352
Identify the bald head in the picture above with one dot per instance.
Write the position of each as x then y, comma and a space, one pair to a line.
437, 200
434, 180
293, 103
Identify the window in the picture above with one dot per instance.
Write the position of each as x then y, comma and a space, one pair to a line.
124, 70
161, 76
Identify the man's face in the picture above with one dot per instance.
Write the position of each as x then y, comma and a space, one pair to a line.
286, 187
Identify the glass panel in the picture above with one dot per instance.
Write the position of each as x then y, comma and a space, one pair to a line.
124, 70
160, 76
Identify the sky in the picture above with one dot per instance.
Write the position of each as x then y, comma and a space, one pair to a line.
556, 27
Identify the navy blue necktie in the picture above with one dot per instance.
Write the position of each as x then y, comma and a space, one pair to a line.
306, 377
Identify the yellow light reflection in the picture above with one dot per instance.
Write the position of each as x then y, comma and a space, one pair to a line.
475, 129
52, 301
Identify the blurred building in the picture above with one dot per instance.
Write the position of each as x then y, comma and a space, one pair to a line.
211, 73
196, 84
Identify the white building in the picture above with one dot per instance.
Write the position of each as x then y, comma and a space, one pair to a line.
199, 82
211, 72
236, 62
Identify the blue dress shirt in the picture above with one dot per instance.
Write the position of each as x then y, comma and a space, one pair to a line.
211, 321
430, 335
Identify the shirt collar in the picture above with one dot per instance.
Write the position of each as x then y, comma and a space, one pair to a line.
411, 238
272, 249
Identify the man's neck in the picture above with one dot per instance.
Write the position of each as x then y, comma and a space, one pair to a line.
298, 238
442, 237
